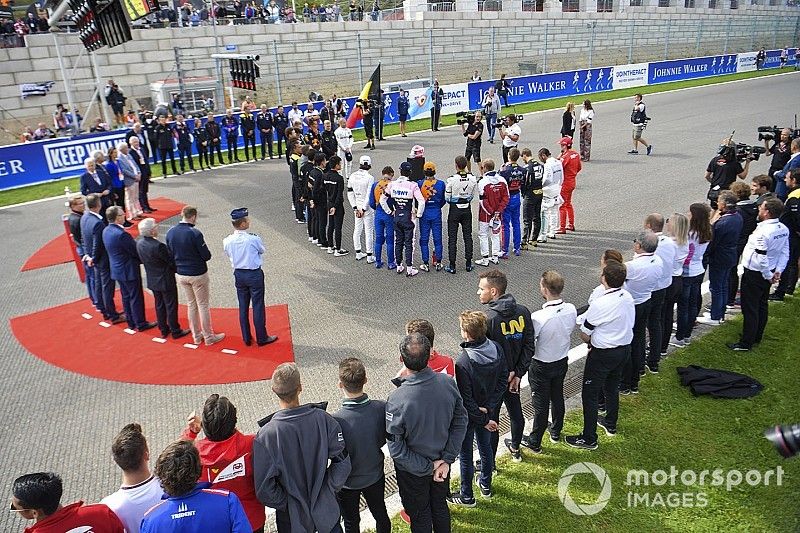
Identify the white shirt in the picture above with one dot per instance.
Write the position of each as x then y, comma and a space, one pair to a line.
767, 248
609, 320
666, 251
552, 327
681, 253
358, 186
513, 129
244, 249
344, 138
587, 115
130, 503
294, 114
553, 177
696, 253
644, 273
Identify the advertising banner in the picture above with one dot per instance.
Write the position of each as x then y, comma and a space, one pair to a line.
627, 76
687, 69
456, 98
774, 58
746, 62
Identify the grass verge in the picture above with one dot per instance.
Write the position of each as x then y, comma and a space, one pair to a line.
666, 426
56, 188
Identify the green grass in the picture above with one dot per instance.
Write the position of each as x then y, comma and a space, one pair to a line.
663, 426
55, 188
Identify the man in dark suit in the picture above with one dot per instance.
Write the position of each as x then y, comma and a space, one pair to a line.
139, 155
124, 262
95, 258
94, 182
138, 131
160, 269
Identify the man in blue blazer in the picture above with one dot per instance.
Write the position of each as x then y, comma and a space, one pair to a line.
94, 182
95, 258
124, 262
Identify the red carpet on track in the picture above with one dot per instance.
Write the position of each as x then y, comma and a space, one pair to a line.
58, 251
63, 337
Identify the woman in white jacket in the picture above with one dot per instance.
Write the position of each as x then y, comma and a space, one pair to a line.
344, 139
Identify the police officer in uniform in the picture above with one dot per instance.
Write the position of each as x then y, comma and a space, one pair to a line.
764, 259
244, 251
214, 138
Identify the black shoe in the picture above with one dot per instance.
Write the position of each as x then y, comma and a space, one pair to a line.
516, 456
180, 333
625, 392
268, 340
610, 431
248, 342
554, 437
653, 369
127, 224
634, 390
738, 347
457, 499
120, 319
528, 443
642, 372
146, 326
486, 492
577, 441
450, 269
774, 297
148, 211
152, 209
469, 267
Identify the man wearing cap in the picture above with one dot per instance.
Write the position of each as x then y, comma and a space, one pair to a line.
459, 191
300, 460
432, 190
358, 188
404, 195
244, 251
417, 160
384, 223
571, 163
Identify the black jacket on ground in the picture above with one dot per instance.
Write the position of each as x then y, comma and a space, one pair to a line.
511, 326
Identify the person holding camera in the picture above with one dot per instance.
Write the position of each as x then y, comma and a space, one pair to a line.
639, 119
723, 170
509, 133
473, 131
781, 153
491, 107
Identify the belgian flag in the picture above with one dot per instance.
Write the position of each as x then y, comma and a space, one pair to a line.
371, 91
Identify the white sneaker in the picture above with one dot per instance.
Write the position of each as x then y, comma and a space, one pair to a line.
330, 249
401, 269
213, 339
370, 258
482, 262
673, 340
411, 271
708, 321
310, 239
340, 253
360, 255
494, 260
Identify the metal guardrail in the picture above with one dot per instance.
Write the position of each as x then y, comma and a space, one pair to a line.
12, 40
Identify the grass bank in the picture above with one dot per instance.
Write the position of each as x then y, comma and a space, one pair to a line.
56, 188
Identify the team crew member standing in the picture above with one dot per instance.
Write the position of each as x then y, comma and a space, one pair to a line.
265, 126
432, 190
164, 142
359, 185
319, 200
639, 121
281, 122
551, 194
244, 251
678, 230
531, 199
493, 195
571, 163
553, 325
201, 143
459, 191
514, 174
608, 330
248, 122
667, 251
214, 138
585, 120
363, 423
405, 196
764, 259
344, 145
230, 126
333, 183
510, 133
791, 219
188, 248
183, 138
510, 326
384, 222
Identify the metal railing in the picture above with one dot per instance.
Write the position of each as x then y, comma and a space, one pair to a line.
11, 40
441, 6
490, 5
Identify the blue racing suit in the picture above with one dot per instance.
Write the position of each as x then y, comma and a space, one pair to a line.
384, 222
514, 176
432, 190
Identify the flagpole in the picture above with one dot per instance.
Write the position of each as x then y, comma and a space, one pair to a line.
360, 66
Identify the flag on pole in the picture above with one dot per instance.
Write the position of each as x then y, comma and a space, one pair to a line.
371, 91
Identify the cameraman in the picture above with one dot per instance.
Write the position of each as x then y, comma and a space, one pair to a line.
781, 152
723, 170
473, 131
509, 133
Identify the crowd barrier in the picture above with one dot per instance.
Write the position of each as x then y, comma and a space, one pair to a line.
54, 159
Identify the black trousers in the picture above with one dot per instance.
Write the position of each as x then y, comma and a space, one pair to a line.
755, 307
349, 501
202, 154
233, 152
164, 153
155, 150
668, 309
283, 522
602, 373
279, 139
335, 221
655, 327
404, 241
506, 149
311, 221
424, 500
733, 281
456, 217
531, 217
514, 407
299, 207
144, 190
435, 116
218, 147
630, 375
119, 196
789, 276
249, 139
167, 310
322, 223
547, 389
266, 144
185, 151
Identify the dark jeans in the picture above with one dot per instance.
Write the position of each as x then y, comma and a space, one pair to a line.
547, 389
424, 500
602, 373
202, 154
404, 241
132, 301
630, 375
279, 140
215, 146
249, 140
718, 278
655, 327
185, 150
266, 144
250, 288
164, 153
335, 221
483, 438
456, 217
668, 311
349, 507
167, 310
755, 307
104, 288
789, 277
514, 407
688, 304
531, 217
233, 153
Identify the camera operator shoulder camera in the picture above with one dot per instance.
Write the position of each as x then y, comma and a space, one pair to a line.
727, 166
781, 139
471, 125
509, 129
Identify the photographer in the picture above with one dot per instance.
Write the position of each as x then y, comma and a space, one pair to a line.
639, 120
781, 152
509, 133
723, 170
473, 131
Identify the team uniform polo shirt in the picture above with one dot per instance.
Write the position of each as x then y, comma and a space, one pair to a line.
130, 502
644, 274
767, 248
552, 327
609, 319
667, 251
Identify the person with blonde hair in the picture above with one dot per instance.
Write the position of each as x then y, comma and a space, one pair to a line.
568, 121
677, 228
